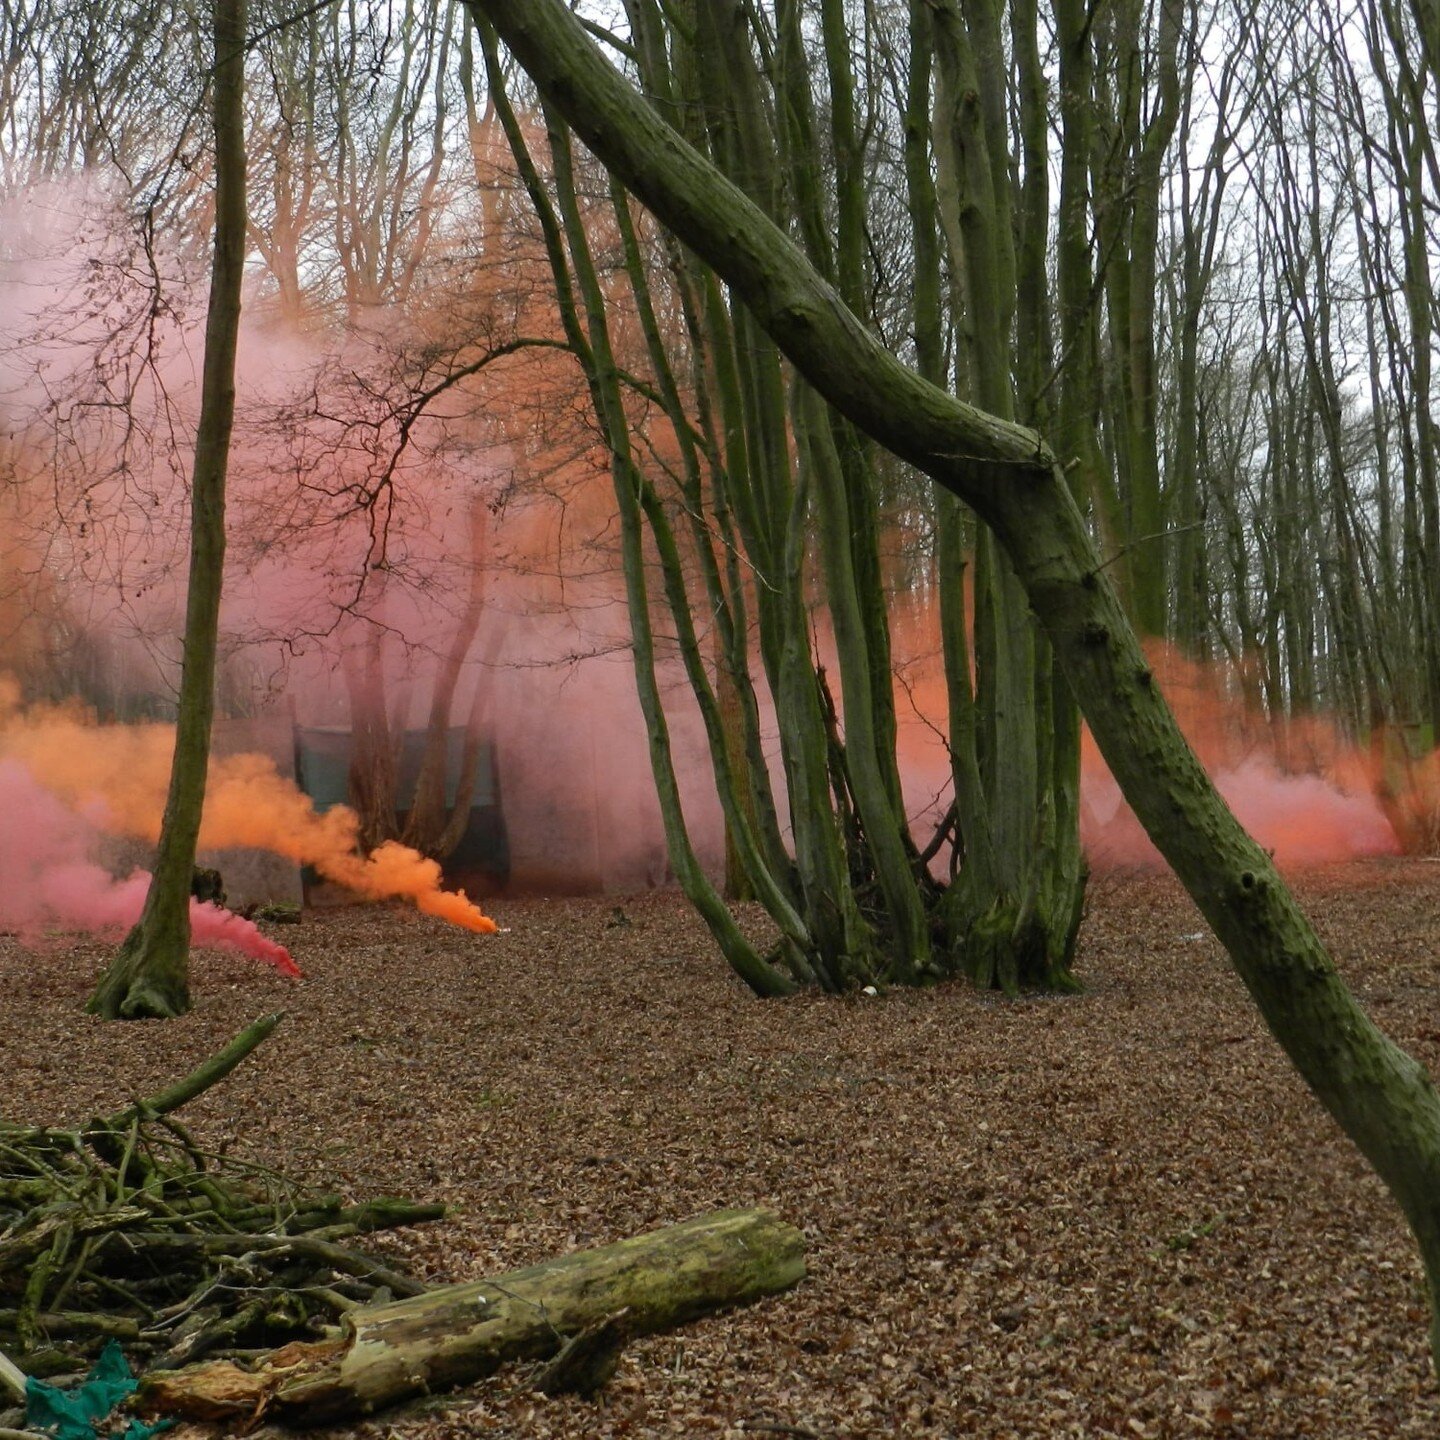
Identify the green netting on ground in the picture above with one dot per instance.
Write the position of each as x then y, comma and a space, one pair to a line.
72, 1412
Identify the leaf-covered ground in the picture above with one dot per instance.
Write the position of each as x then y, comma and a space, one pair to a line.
1117, 1214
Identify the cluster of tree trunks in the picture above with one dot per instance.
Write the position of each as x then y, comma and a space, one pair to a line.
767, 472
1381, 1097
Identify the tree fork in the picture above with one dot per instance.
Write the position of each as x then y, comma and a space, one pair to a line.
1381, 1097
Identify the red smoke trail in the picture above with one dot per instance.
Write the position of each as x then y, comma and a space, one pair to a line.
116, 777
212, 925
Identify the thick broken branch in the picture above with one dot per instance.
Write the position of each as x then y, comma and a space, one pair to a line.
214, 1070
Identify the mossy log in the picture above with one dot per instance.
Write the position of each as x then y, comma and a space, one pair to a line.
460, 1333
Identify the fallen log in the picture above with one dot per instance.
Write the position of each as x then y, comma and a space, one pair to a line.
459, 1333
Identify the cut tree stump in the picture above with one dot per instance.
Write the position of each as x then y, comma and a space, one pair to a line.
459, 1333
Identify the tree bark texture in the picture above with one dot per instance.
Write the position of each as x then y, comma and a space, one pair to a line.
150, 974
1383, 1099
460, 1333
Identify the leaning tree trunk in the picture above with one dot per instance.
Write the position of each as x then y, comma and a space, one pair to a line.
150, 974
1382, 1098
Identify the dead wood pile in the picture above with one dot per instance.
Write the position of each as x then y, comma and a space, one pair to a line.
127, 1228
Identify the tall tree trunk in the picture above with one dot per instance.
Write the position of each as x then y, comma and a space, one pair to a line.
1141, 376
150, 976
1013, 910
433, 826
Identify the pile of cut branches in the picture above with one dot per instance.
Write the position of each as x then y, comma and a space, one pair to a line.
127, 1228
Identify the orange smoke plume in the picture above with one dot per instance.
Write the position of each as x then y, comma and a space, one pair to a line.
1302, 789
1299, 786
117, 777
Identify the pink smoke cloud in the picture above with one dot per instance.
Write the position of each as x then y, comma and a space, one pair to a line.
1302, 819
49, 883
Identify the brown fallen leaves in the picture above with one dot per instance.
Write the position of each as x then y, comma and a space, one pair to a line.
1117, 1214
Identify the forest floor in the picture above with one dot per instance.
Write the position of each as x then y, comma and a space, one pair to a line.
1116, 1214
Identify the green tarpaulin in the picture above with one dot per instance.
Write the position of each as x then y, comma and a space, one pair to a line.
70, 1412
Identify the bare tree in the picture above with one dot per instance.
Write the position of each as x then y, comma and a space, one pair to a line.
150, 974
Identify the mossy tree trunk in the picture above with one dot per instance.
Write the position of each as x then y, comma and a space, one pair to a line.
841, 482
149, 976
1012, 913
1382, 1098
